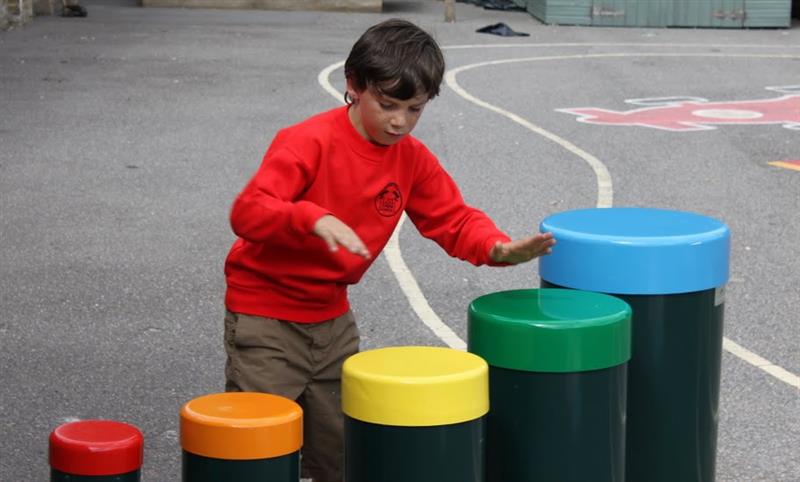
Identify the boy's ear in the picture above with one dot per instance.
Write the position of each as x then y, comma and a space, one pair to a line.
352, 92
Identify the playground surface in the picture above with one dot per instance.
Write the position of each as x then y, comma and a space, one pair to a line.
125, 136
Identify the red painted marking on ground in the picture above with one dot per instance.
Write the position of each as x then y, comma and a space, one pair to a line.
693, 115
787, 164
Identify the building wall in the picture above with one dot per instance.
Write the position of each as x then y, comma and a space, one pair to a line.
3, 15
15, 12
330, 5
46, 7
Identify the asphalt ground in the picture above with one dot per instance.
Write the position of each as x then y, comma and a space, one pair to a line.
125, 136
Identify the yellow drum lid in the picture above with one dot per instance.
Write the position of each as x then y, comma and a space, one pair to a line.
415, 386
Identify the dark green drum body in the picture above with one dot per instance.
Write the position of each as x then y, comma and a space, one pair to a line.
571, 426
557, 384
57, 476
447, 453
671, 268
196, 468
678, 337
673, 417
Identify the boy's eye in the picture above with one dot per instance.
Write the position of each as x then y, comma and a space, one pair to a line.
384, 105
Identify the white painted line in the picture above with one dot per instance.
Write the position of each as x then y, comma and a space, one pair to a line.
324, 79
593, 45
762, 363
414, 294
605, 192
394, 256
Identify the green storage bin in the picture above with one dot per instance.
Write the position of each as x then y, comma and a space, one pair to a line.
664, 13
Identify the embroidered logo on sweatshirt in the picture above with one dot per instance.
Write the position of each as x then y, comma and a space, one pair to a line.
389, 201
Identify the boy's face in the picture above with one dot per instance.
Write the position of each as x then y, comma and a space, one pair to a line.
381, 119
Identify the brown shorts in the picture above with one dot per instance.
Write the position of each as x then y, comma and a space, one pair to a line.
302, 362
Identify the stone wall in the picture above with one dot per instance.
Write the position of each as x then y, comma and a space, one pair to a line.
15, 12
330, 5
47, 7
3, 15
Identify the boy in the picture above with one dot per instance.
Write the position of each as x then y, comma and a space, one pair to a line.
341, 179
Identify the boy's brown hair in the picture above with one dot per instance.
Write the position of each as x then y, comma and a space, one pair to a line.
396, 58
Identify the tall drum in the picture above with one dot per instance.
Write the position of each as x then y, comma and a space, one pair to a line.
671, 268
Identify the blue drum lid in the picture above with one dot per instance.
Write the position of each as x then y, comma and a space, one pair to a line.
641, 251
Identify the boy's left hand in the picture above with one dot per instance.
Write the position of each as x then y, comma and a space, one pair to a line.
522, 250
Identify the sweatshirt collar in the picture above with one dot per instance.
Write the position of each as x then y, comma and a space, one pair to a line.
357, 142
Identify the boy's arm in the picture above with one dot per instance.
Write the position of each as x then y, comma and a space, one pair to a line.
267, 207
522, 250
439, 212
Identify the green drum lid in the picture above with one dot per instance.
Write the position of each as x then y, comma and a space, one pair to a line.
550, 330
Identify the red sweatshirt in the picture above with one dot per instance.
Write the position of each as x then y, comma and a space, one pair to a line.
279, 269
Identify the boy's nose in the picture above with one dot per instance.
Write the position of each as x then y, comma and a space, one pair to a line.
398, 120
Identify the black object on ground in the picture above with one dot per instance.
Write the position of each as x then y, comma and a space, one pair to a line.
495, 4
502, 30
74, 11
501, 5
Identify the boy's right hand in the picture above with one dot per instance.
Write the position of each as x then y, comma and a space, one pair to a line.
334, 232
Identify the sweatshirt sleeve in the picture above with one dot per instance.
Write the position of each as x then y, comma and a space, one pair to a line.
439, 212
268, 204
